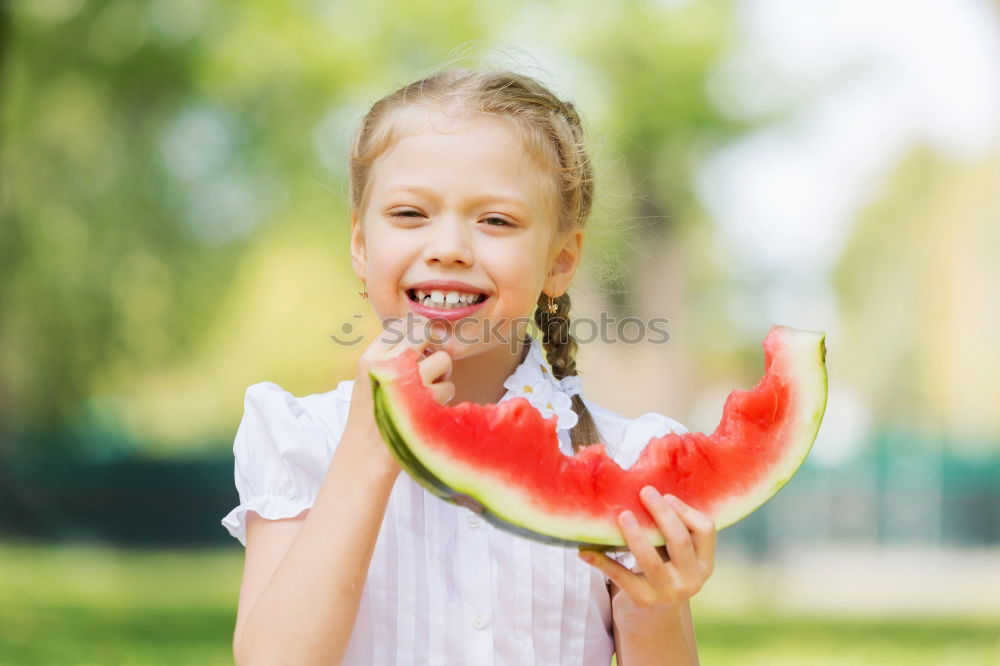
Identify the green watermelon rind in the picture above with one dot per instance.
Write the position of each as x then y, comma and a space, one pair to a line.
812, 365
474, 489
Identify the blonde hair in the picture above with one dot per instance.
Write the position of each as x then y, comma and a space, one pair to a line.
551, 132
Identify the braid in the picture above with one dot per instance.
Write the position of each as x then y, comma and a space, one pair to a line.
560, 351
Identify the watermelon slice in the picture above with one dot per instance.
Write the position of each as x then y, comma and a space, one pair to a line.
503, 460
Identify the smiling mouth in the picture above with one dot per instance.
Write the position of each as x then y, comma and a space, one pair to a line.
444, 300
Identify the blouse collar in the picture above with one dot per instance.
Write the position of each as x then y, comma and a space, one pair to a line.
533, 379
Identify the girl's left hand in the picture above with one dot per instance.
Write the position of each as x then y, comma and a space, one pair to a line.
664, 585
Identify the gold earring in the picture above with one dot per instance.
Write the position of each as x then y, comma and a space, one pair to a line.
553, 306
364, 290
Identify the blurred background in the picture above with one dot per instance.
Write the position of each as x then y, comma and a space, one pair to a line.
174, 228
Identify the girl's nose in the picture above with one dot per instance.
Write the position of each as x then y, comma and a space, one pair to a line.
448, 244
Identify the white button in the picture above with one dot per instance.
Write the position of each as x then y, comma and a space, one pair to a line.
480, 618
472, 520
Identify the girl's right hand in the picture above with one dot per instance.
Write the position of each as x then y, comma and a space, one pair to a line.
435, 371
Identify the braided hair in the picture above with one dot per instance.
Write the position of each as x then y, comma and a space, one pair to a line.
560, 352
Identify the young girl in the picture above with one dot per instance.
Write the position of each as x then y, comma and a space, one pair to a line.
469, 192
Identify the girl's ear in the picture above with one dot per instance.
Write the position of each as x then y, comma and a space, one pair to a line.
564, 263
359, 255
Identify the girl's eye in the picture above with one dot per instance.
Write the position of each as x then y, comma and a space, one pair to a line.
405, 213
497, 222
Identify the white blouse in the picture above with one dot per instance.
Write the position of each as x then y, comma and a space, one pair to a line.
443, 586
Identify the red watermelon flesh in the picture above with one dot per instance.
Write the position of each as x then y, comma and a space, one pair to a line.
504, 461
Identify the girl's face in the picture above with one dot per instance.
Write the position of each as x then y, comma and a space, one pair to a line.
460, 227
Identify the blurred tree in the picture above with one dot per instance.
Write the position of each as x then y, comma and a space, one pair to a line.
174, 189
96, 267
918, 291
655, 61
144, 149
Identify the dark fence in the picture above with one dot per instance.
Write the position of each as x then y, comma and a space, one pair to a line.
131, 502
899, 490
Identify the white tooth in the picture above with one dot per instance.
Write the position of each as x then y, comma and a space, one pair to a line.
437, 296
421, 295
452, 297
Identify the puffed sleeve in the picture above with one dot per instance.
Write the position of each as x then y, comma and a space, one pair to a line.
625, 439
282, 449
639, 431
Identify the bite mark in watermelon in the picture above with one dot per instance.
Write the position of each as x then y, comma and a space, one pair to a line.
504, 462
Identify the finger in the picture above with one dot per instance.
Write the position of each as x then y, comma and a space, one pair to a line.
702, 527
631, 583
645, 552
443, 391
679, 544
434, 366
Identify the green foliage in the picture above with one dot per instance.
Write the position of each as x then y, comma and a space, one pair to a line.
160, 155
660, 114
659, 123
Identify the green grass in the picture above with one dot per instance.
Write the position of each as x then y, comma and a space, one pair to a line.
806, 641
93, 605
